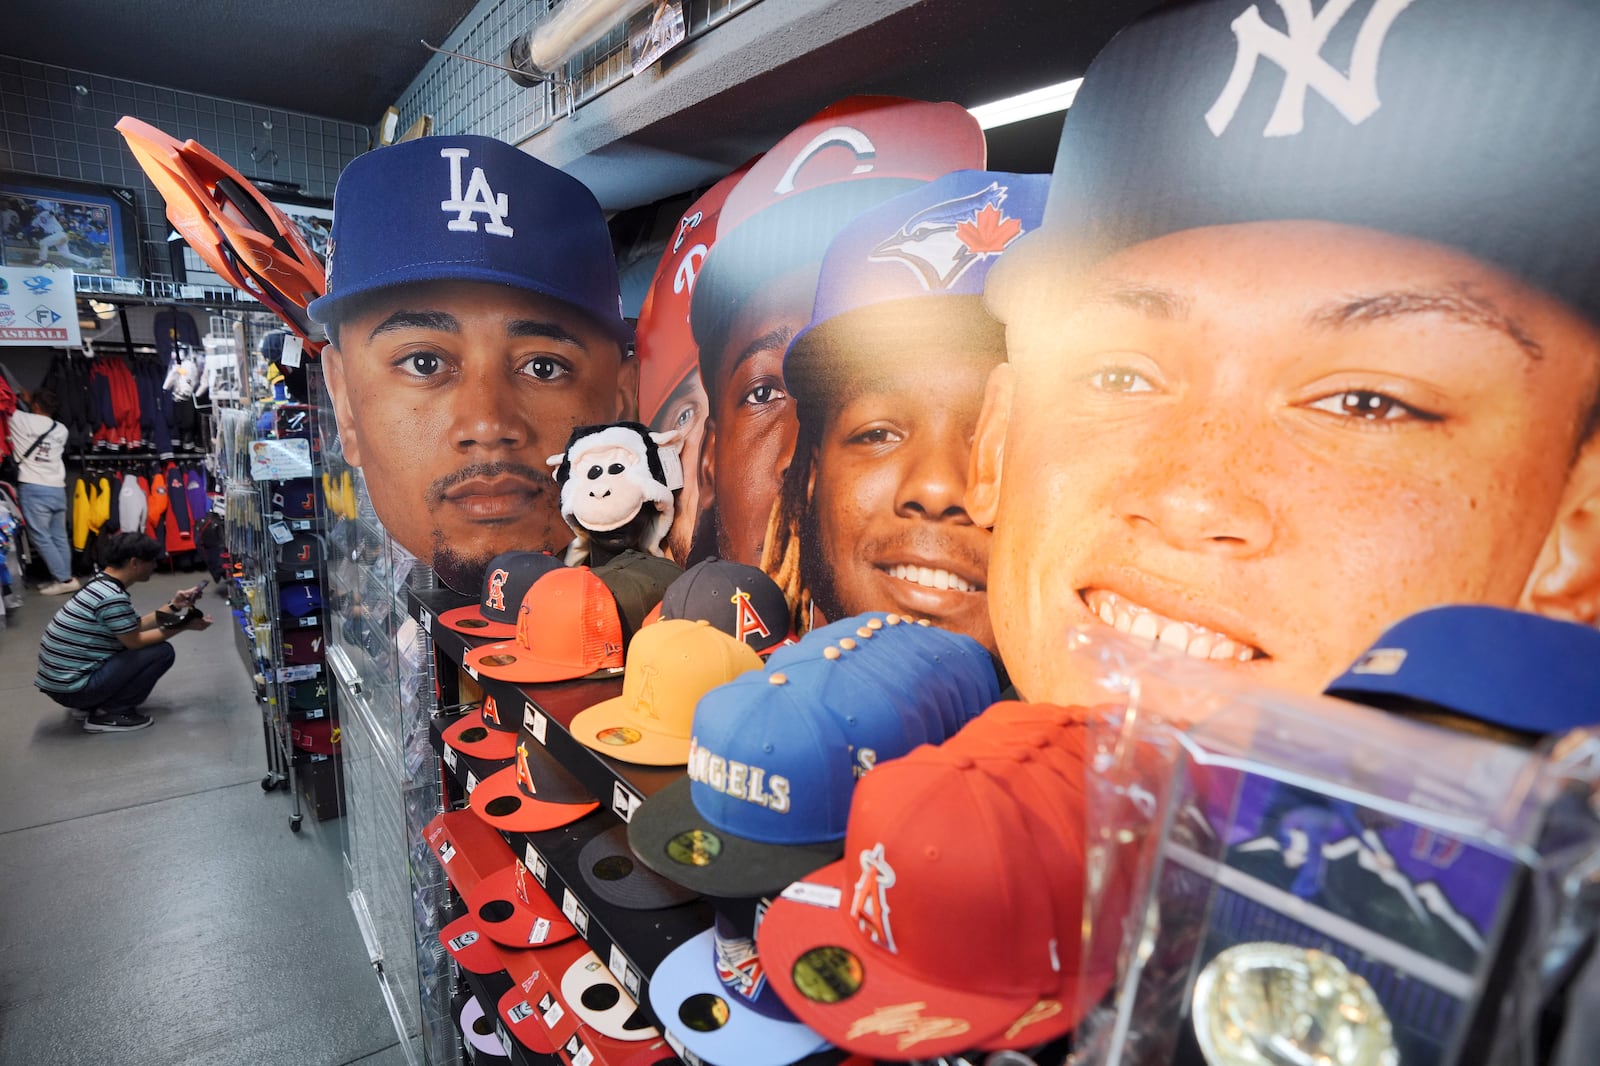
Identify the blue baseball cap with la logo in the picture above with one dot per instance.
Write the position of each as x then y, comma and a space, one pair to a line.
469, 209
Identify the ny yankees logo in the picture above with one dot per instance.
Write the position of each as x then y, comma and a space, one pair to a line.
747, 622
1299, 53
870, 904
479, 198
496, 600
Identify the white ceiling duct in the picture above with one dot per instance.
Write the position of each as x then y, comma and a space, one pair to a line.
572, 27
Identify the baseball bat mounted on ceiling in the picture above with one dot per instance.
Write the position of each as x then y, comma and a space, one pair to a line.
576, 24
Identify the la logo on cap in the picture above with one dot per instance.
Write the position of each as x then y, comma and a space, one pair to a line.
479, 199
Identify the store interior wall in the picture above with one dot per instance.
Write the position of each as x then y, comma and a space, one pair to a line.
56, 122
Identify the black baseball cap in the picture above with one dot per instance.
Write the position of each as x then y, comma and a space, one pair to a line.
638, 581
506, 579
1468, 123
740, 600
617, 876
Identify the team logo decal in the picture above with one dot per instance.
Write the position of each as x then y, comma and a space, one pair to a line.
524, 778
646, 703
747, 621
479, 199
938, 244
740, 968
491, 713
847, 137
496, 600
870, 904
1299, 54
907, 1023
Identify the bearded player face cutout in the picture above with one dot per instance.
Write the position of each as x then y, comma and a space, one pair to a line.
474, 319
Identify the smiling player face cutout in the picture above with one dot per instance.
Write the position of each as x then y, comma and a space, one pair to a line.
450, 396
1265, 442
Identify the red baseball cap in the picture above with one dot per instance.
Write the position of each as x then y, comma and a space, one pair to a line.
532, 1008
472, 950
667, 352
567, 627
930, 936
513, 910
851, 155
466, 848
533, 794
481, 734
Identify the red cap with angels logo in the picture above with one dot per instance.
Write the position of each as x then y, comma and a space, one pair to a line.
667, 352
848, 157
941, 863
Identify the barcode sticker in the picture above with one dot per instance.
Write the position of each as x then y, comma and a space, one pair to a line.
450, 756
540, 931
550, 1010
535, 862
829, 896
534, 721
470, 671
578, 1053
425, 618
574, 912
472, 782
291, 352
446, 853
623, 972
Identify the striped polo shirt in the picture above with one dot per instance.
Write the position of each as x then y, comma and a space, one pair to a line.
83, 634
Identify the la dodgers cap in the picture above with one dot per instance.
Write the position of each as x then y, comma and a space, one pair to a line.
1512, 669
466, 208
712, 993
300, 600
844, 159
1469, 123
567, 628
739, 600
667, 352
858, 941
513, 910
506, 580
610, 868
637, 581
531, 795
888, 265
482, 734
670, 665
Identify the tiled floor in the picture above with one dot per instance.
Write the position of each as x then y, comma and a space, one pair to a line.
157, 910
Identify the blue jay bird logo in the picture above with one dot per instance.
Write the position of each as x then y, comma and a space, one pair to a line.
39, 284
938, 244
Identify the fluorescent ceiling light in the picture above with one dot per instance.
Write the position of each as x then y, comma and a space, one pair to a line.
1027, 105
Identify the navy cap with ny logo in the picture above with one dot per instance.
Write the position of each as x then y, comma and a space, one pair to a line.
469, 209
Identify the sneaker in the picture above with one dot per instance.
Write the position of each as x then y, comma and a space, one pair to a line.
60, 588
13, 602
78, 715
121, 722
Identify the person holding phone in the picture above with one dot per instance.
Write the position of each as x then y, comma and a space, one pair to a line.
101, 659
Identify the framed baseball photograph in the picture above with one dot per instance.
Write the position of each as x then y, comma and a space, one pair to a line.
89, 229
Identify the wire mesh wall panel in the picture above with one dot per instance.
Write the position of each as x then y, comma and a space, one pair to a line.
465, 97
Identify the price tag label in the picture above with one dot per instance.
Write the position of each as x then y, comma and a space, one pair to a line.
450, 756
291, 352
578, 1053
315, 713
301, 524
540, 931
624, 801
533, 720
470, 671
623, 972
535, 862
280, 532
520, 1012
472, 782
446, 853
550, 1011
827, 896
574, 912
425, 617
500, 1031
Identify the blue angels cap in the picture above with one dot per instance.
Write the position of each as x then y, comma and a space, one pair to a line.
938, 240
1516, 670
1468, 123
469, 209
712, 994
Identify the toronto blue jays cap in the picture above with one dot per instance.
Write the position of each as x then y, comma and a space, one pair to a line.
469, 209
1468, 123
1512, 669
938, 240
